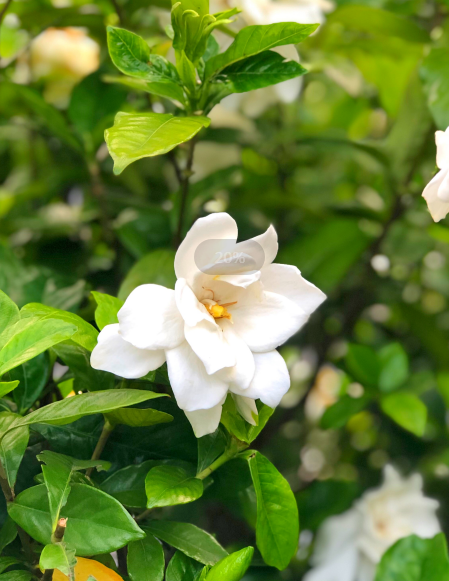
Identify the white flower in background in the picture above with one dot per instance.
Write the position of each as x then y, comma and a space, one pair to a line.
218, 333
62, 57
436, 192
349, 546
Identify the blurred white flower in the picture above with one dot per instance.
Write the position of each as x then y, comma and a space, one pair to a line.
217, 332
350, 545
436, 192
62, 57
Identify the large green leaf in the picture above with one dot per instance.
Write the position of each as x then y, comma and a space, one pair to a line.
33, 376
182, 568
70, 409
137, 417
415, 559
9, 312
138, 135
171, 485
33, 340
189, 539
155, 268
277, 526
146, 560
58, 556
107, 309
12, 446
363, 363
97, 523
253, 40
233, 567
407, 410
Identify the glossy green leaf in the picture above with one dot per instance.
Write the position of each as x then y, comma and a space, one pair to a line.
232, 567
191, 540
167, 89
57, 471
337, 415
138, 135
16, 576
8, 533
407, 410
138, 417
33, 340
86, 335
9, 312
210, 447
58, 556
434, 73
7, 386
415, 559
33, 376
146, 561
394, 367
12, 446
107, 309
363, 363
128, 484
97, 523
277, 526
6, 562
171, 485
182, 568
85, 404
253, 40
237, 426
155, 268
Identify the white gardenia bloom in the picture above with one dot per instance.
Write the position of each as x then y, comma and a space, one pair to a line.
349, 546
436, 192
218, 333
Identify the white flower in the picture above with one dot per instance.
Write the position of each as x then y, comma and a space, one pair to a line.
350, 545
436, 192
218, 333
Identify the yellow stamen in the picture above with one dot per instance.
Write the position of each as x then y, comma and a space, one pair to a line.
219, 311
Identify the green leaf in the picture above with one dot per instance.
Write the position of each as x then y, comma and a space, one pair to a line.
58, 556
155, 268
128, 484
138, 417
415, 559
171, 485
9, 312
337, 415
146, 561
363, 363
261, 70
86, 335
253, 40
210, 447
85, 404
182, 568
394, 367
189, 539
166, 89
443, 386
107, 309
33, 340
434, 74
7, 386
33, 376
6, 562
57, 473
233, 567
8, 533
97, 523
237, 426
407, 410
16, 576
12, 446
138, 135
277, 526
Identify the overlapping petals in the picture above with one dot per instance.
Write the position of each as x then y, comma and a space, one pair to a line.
436, 193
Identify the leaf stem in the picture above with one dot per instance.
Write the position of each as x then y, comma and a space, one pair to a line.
231, 452
184, 182
104, 437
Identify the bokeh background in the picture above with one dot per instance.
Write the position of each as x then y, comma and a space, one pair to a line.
337, 163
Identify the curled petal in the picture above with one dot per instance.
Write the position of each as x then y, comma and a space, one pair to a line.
442, 143
205, 421
192, 311
207, 340
117, 356
247, 408
437, 208
269, 242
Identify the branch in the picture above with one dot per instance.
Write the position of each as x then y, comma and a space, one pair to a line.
104, 437
184, 182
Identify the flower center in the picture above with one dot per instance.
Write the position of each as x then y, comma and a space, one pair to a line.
218, 311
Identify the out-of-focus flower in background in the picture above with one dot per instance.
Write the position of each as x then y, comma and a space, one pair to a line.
61, 57
349, 545
324, 392
436, 192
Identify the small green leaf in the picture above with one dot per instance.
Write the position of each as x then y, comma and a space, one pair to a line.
415, 559
33, 376
182, 568
154, 268
394, 367
191, 540
138, 135
8, 533
16, 576
167, 89
146, 560
58, 556
277, 526
6, 562
138, 417
407, 410
171, 485
237, 426
107, 309
363, 363
233, 567
9, 312
7, 386
96, 523
12, 446
337, 415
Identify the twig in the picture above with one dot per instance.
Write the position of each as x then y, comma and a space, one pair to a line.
104, 437
184, 181
143, 515
118, 10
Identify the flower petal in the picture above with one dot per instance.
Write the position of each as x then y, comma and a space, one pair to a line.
117, 356
266, 324
192, 311
207, 340
242, 373
194, 389
214, 227
271, 380
247, 408
269, 242
442, 143
287, 281
437, 208
205, 421
149, 319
